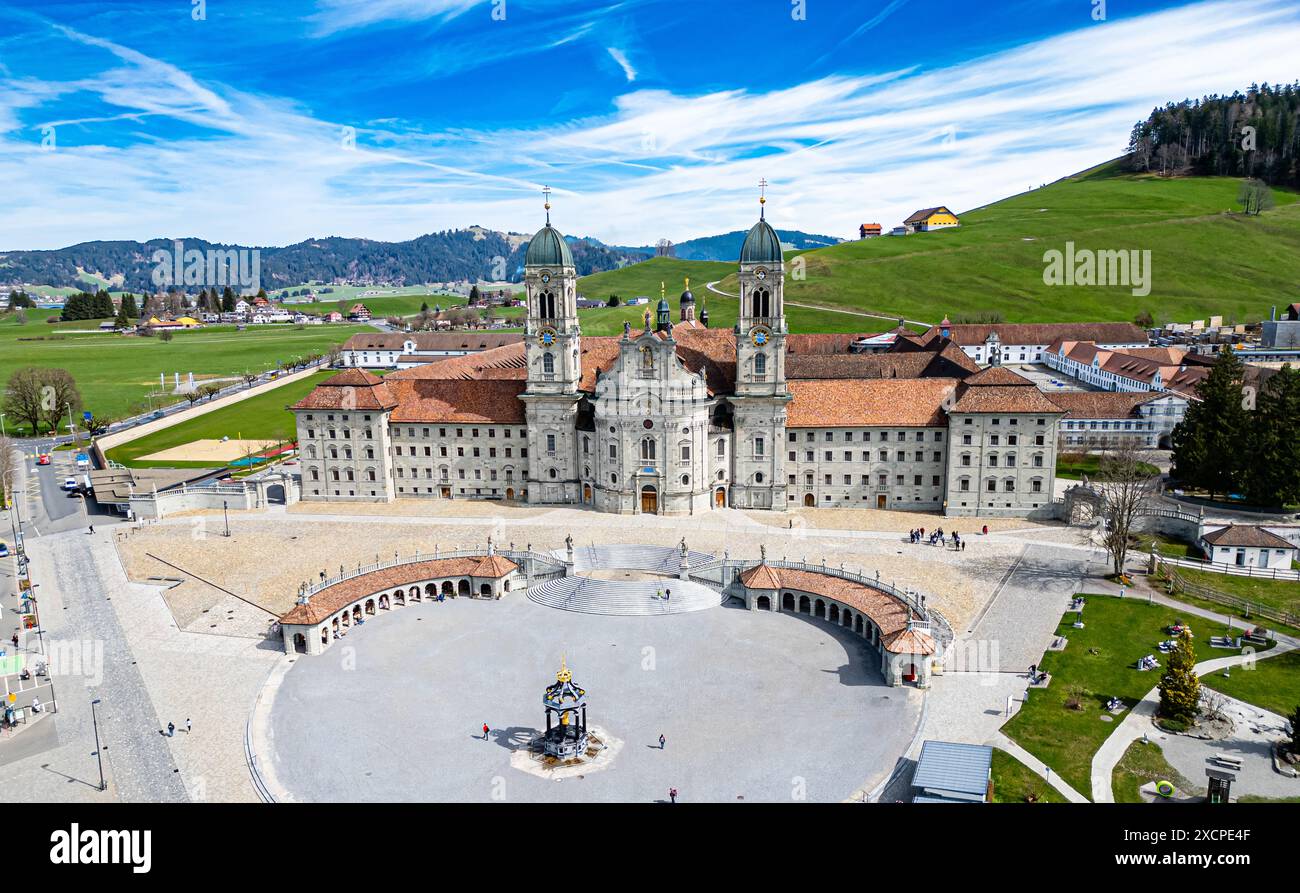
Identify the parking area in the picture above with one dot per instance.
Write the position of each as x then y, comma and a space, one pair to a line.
1049, 380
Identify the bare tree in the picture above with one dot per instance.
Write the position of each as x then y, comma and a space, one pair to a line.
59, 396
8, 462
1125, 483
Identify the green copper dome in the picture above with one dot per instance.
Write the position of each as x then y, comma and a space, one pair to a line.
762, 245
548, 249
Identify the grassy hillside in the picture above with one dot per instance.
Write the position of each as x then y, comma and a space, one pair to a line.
116, 372
1206, 259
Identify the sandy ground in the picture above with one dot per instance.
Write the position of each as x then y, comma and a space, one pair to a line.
210, 450
234, 585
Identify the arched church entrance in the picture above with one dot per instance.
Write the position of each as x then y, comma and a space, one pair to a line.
808, 500
649, 500
720, 498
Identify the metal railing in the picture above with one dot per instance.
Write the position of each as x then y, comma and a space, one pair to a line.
535, 565
1233, 570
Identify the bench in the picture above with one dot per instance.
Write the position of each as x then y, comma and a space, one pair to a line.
1229, 762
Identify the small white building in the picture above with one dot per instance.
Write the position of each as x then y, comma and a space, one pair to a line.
1247, 546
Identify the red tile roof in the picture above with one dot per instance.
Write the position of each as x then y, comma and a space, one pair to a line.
1000, 390
334, 598
353, 389
1101, 404
854, 403
1247, 535
889, 614
1045, 333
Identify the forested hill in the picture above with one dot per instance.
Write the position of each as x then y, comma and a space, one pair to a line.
1210, 137
437, 257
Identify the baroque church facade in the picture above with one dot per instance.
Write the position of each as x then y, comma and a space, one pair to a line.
674, 417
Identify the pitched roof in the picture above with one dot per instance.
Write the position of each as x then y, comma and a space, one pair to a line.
1247, 535
848, 402
973, 334
340, 595
352, 389
924, 213
888, 613
1000, 390
459, 400
949, 766
432, 341
1101, 404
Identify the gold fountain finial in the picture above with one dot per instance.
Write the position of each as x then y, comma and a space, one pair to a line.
688, 283
563, 675
662, 291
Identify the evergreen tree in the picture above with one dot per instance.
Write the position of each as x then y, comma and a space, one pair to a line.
1207, 443
121, 320
1180, 689
1272, 467
1295, 729
227, 300
129, 308
473, 294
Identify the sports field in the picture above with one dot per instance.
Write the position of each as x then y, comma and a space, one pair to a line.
118, 373
258, 421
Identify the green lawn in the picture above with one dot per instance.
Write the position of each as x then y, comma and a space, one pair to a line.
263, 417
1274, 684
1120, 631
1166, 545
993, 262
1014, 782
1145, 762
117, 373
1075, 465
1281, 594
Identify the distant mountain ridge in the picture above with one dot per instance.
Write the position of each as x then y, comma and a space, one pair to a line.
473, 253
726, 246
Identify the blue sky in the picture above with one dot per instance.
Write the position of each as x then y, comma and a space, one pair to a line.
268, 123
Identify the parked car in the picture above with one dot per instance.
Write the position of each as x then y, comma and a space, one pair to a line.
70, 484
43, 459
4, 551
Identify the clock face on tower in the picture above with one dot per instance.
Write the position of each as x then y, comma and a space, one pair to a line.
762, 274
759, 336
546, 277
547, 336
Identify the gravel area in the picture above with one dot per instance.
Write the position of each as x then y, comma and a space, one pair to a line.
268, 554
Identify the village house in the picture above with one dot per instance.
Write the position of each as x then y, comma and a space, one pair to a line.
1247, 546
930, 219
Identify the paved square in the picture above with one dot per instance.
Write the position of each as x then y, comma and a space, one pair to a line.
754, 706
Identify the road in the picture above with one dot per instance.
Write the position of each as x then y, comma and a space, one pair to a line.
75, 578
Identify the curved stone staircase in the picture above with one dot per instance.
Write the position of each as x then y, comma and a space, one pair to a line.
657, 559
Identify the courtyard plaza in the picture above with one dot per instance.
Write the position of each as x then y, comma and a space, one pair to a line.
754, 706
193, 607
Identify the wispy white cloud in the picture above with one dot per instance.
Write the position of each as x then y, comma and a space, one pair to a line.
342, 15
621, 58
838, 150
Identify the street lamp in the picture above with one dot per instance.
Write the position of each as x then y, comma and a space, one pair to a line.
98, 756
226, 516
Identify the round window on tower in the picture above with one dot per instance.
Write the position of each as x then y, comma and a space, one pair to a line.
648, 424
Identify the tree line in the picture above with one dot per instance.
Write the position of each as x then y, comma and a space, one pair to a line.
1254, 134
1242, 439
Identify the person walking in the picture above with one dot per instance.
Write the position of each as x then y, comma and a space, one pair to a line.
14, 639
485, 731
662, 742
92, 529
171, 730
189, 726
672, 794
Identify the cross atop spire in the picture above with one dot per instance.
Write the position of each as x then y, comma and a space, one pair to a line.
762, 196
546, 192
